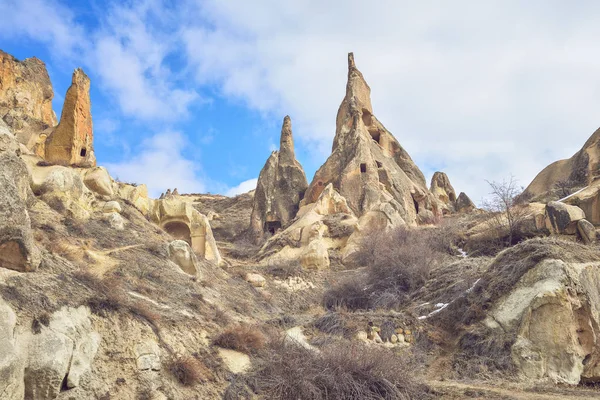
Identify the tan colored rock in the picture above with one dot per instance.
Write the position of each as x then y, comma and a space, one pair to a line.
25, 97
581, 170
99, 181
464, 204
562, 218
183, 222
587, 231
235, 361
11, 359
367, 165
315, 256
442, 190
17, 247
588, 199
281, 185
111, 207
147, 355
115, 220
136, 195
181, 254
255, 280
72, 140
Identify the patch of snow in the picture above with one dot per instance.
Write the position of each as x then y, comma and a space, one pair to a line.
439, 307
463, 253
424, 304
469, 290
573, 194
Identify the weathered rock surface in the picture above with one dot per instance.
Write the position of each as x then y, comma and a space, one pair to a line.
99, 181
367, 166
183, 222
562, 218
586, 231
181, 254
25, 97
588, 199
442, 190
463, 203
72, 140
17, 248
281, 186
581, 170
255, 279
11, 364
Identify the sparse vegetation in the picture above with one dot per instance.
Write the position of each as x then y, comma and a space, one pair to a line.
503, 204
188, 370
245, 338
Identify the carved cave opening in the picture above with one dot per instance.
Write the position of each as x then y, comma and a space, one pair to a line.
376, 135
379, 164
416, 205
179, 231
272, 226
363, 168
83, 152
366, 117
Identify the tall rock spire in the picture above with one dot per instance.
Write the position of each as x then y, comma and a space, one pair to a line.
281, 185
368, 166
72, 140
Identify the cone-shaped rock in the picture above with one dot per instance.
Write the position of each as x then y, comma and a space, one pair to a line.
281, 186
442, 190
565, 175
367, 165
25, 97
463, 203
72, 140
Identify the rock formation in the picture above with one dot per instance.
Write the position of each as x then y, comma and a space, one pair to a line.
443, 191
25, 97
281, 186
463, 203
368, 166
72, 140
581, 170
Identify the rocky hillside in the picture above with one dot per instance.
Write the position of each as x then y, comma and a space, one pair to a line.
363, 284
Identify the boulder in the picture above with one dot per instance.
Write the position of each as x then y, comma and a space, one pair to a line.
99, 181
315, 256
17, 246
443, 191
115, 220
255, 280
62, 352
368, 166
147, 355
562, 218
25, 97
281, 185
587, 231
11, 361
463, 204
588, 199
136, 195
181, 254
111, 207
72, 140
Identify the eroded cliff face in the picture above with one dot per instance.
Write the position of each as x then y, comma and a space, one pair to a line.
281, 186
25, 97
72, 140
369, 167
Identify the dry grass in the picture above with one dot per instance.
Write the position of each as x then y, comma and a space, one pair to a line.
398, 263
285, 269
341, 370
245, 338
189, 371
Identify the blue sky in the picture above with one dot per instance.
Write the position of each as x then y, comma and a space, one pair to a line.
191, 94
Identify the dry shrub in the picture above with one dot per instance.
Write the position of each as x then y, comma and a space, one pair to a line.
285, 269
398, 263
245, 338
483, 354
243, 249
341, 370
189, 371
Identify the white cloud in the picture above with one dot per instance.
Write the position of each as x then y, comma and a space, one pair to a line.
243, 187
477, 89
161, 165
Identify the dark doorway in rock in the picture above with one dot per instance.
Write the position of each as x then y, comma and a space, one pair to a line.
272, 226
379, 164
376, 135
179, 230
416, 205
363, 168
301, 195
83, 152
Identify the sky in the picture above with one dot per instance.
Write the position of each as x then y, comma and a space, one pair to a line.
191, 94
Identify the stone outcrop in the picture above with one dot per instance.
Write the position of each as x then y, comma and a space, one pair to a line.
581, 170
562, 218
17, 247
181, 254
588, 199
463, 204
586, 231
368, 167
281, 186
71, 142
25, 97
183, 222
443, 191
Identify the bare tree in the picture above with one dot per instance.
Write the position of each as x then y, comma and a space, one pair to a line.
503, 203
